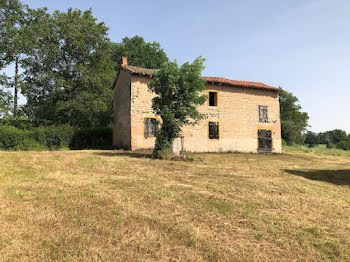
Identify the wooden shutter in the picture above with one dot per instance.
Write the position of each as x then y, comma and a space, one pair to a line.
263, 115
213, 130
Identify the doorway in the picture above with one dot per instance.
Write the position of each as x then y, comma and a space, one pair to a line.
265, 141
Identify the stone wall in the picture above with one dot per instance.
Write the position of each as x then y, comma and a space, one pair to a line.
237, 113
121, 111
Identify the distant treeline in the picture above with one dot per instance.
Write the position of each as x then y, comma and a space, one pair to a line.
333, 139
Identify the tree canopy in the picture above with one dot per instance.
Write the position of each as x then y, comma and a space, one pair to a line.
69, 72
15, 41
293, 121
177, 90
139, 53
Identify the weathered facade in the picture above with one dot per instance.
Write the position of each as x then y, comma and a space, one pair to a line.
241, 116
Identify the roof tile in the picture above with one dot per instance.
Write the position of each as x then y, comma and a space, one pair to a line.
212, 80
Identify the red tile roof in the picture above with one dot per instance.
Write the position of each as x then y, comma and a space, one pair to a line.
237, 83
139, 70
210, 80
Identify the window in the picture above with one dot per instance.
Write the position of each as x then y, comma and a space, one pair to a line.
151, 127
213, 98
214, 130
265, 141
263, 117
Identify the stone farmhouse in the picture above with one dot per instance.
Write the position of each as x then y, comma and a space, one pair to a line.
242, 116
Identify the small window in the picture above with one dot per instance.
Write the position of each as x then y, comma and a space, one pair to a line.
214, 130
213, 98
263, 117
151, 127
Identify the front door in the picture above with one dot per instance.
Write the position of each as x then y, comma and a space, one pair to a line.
264, 141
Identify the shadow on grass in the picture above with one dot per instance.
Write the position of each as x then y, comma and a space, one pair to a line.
337, 177
137, 154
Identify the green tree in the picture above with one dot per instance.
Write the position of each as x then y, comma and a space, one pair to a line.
5, 98
312, 139
15, 42
337, 135
177, 92
293, 121
69, 73
139, 53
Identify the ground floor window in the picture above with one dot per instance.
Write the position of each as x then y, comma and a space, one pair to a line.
265, 141
214, 130
151, 127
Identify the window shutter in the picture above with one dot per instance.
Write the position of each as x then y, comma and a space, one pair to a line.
213, 130
216, 130
263, 115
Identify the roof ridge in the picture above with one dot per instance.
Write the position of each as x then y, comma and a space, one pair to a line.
209, 79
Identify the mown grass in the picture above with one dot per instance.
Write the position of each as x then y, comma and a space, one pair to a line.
122, 206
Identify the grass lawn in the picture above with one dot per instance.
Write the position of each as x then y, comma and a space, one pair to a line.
122, 206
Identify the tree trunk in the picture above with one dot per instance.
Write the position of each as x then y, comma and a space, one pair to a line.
15, 97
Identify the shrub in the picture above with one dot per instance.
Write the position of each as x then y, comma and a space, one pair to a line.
93, 138
312, 139
19, 122
330, 145
54, 138
345, 145
12, 138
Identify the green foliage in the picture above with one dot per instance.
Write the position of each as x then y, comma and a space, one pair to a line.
14, 38
177, 92
139, 53
54, 138
336, 138
12, 138
312, 139
15, 42
293, 121
345, 144
18, 122
92, 138
69, 72
5, 103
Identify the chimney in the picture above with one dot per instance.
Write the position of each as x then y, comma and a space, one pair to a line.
124, 61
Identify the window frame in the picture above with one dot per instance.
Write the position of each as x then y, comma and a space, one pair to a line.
263, 118
156, 126
216, 136
216, 98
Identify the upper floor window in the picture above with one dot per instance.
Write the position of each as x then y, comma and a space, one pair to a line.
214, 130
151, 127
213, 98
263, 114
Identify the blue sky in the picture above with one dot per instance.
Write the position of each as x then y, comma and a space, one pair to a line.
300, 45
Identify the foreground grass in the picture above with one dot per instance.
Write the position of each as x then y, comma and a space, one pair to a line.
120, 206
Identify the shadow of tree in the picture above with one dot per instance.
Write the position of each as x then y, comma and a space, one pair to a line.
137, 154
337, 177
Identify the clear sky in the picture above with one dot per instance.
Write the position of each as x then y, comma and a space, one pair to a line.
301, 45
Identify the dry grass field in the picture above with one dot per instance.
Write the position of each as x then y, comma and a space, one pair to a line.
122, 206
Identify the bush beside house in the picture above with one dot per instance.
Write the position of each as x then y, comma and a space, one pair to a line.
54, 138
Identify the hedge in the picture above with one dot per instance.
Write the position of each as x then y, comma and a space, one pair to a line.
345, 145
54, 138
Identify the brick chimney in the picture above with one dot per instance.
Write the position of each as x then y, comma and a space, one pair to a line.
124, 61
